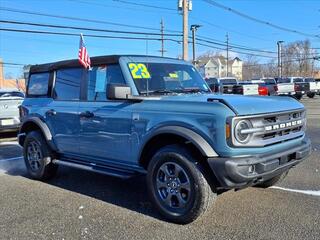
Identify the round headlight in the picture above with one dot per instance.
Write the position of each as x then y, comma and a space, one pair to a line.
240, 136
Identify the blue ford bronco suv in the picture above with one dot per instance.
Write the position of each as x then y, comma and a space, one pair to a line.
130, 115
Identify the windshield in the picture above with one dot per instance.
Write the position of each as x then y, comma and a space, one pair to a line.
297, 80
162, 78
309, 80
284, 80
269, 81
228, 81
11, 94
212, 81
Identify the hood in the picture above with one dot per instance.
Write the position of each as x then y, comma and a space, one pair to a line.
244, 105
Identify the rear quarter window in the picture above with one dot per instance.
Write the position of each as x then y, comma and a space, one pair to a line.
38, 84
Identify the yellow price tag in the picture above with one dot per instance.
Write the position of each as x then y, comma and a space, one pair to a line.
139, 70
173, 75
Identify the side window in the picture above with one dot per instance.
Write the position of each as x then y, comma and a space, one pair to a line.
38, 84
67, 84
99, 77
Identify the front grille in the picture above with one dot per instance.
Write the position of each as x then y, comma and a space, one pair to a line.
273, 128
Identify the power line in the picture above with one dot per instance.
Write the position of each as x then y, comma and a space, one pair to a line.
139, 5
80, 19
88, 29
246, 53
230, 30
145, 5
87, 35
126, 32
104, 22
243, 15
234, 46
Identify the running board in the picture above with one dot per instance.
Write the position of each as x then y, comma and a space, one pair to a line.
123, 174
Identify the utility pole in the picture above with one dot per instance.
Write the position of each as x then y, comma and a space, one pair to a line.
279, 43
185, 6
185, 12
227, 55
162, 38
193, 29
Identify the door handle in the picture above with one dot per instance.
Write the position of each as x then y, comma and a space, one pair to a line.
86, 114
51, 112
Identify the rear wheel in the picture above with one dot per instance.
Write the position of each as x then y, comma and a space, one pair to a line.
177, 187
298, 97
271, 182
38, 157
311, 95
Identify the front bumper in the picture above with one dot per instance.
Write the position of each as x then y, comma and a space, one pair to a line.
240, 172
14, 126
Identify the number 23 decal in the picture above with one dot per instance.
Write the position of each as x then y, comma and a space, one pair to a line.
139, 70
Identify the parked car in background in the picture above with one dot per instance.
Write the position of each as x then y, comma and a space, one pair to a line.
214, 84
133, 115
10, 100
300, 87
247, 88
314, 88
230, 85
267, 86
285, 86
317, 80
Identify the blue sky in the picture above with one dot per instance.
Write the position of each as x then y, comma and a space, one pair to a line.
31, 48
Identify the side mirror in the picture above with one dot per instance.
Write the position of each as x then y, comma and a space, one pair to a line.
118, 91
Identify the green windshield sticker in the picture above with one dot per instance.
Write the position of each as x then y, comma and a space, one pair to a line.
173, 75
139, 70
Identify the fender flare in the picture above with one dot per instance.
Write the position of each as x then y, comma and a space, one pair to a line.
43, 128
186, 133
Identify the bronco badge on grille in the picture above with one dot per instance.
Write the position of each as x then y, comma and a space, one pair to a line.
290, 124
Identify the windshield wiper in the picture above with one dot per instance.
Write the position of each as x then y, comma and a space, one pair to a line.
160, 91
193, 90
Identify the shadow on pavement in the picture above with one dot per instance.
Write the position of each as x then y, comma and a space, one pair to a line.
130, 194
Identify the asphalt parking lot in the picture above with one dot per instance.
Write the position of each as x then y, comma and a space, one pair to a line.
83, 205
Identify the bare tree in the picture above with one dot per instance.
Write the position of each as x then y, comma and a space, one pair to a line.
299, 59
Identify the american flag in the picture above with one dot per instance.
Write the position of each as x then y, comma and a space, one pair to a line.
83, 55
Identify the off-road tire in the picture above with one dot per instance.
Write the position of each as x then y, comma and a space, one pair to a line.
311, 95
298, 97
43, 168
200, 196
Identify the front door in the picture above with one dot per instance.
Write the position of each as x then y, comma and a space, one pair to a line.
105, 133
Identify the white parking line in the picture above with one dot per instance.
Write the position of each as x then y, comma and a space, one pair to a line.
11, 159
307, 192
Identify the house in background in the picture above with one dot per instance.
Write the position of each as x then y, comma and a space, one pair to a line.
217, 67
11, 83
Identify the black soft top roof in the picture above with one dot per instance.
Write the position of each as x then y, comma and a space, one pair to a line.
110, 59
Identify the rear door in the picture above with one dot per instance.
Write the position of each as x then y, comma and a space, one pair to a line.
62, 114
105, 124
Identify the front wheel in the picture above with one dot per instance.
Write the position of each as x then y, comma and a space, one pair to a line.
177, 187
